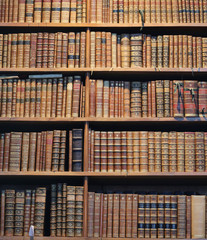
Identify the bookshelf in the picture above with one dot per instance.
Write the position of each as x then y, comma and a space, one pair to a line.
92, 180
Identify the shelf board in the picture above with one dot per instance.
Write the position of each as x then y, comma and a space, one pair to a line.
91, 119
103, 70
107, 174
105, 25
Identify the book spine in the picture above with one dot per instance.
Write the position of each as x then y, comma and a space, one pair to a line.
70, 208
159, 98
91, 212
79, 211
110, 151
165, 152
77, 151
130, 157
202, 93
103, 149
76, 96
136, 155
191, 98
199, 152
19, 213
9, 213
116, 209
161, 216
181, 216
189, 151
173, 216
180, 151
83, 49
122, 217
141, 216
25, 151
143, 151
172, 152
29, 11
153, 216
178, 98
55, 11
97, 210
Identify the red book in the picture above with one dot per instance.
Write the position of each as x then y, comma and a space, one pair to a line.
202, 98
191, 98
178, 98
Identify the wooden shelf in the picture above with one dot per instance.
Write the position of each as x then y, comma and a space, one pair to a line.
117, 70
108, 174
90, 119
105, 25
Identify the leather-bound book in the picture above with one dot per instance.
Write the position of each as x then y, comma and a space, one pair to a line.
46, 11
55, 11
153, 216
56, 150
73, 11
165, 151
91, 212
53, 210
109, 49
154, 51
1, 50
83, 50
136, 50
27, 98
49, 98
117, 151
190, 151
105, 98
160, 50
110, 215
166, 98
136, 155
7, 152
126, 11
14, 98
110, 150
103, 149
32, 209
136, 11
113, 49
70, 218
160, 216
97, 152
171, 51
122, 216
104, 215
38, 151
59, 97
125, 50
147, 230
58, 50
65, 11
111, 99
103, 49
99, 98
151, 151
144, 99
92, 98
5, 50
25, 151
175, 12
77, 150
173, 149
118, 51
69, 96
91, 161
130, 157
39, 50
158, 152
64, 208
194, 52
97, 211
38, 98
129, 199
116, 209
84, 11
134, 215
33, 50
22, 98
181, 216
93, 11
185, 51
188, 217
4, 98
173, 215
9, 97
153, 97
19, 213
205, 146
148, 52
15, 151
175, 58
202, 98
198, 209
141, 216
32, 151
204, 11
9, 212
20, 50
199, 51
178, 98
199, 152
98, 49
71, 49
160, 97
2, 216
165, 51
45, 50
149, 99
77, 49
143, 151
180, 151
76, 96
21, 13
180, 51
37, 11
51, 50
79, 211
40, 201
62, 150
163, 11
14, 48
116, 99
93, 49
126, 99
167, 229
190, 51
2, 140
188, 13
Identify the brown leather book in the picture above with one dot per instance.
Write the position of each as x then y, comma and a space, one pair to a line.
83, 50
97, 153
108, 49
130, 157
99, 98
9, 213
64, 208
178, 98
103, 150
154, 51
59, 209
143, 151
40, 201
7, 152
39, 50
32, 151
165, 151
173, 216
160, 98
166, 98
116, 209
199, 152
70, 208
76, 96
97, 211
125, 50
202, 95
33, 50
173, 149
25, 151
110, 215
91, 212
29, 14
151, 151
180, 151
147, 230
167, 229
59, 100
149, 99
117, 151
110, 152
129, 200
144, 99
205, 140
171, 49
38, 151
92, 152
116, 99
136, 50
19, 213
134, 215
15, 151
126, 99
3, 204
153, 96
53, 210
92, 98
136, 155
185, 51
166, 50
141, 216
198, 205
103, 49
188, 217
122, 216
190, 151
153, 216
2, 140
45, 50
160, 216
20, 50
104, 215
55, 150
158, 152
181, 214
148, 51
79, 211
175, 60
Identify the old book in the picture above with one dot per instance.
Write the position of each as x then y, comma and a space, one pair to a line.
116, 209
9, 212
53, 211
153, 216
78, 227
147, 52
136, 155
144, 99
91, 201
2, 140
110, 215
76, 96
105, 98
40, 201
125, 50
198, 216
29, 15
97, 212
191, 98
15, 151
181, 213
99, 98
173, 151
160, 49
147, 216
129, 138
167, 229
180, 151
70, 219
83, 50
188, 217
103, 150
97, 153
3, 204
117, 151
141, 216
126, 99
161, 216
143, 151
160, 98
199, 152
202, 95
166, 98
25, 151
6, 161
189, 151
154, 51
173, 216
110, 151
136, 50
151, 151
19, 213
56, 150
165, 152
122, 217
77, 152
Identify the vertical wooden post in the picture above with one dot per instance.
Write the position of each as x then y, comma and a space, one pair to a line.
85, 208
